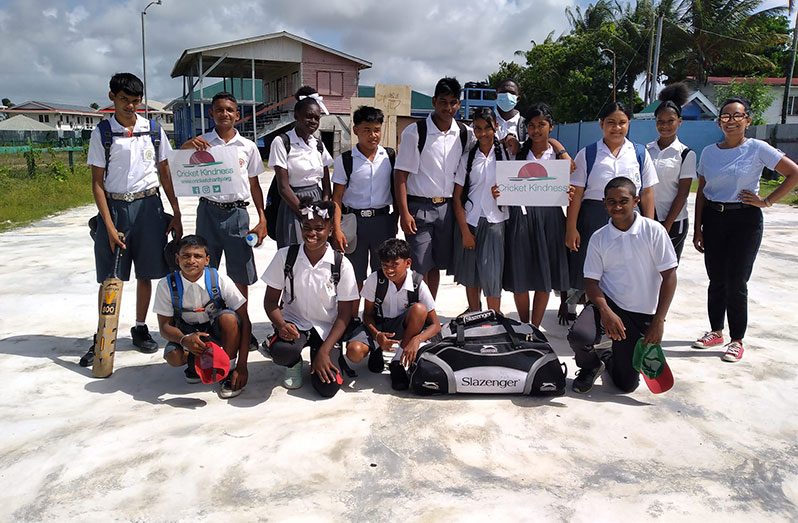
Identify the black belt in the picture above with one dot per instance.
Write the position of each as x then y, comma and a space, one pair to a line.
225, 205
132, 196
724, 207
438, 200
367, 213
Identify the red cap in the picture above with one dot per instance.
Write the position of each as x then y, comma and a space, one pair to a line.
212, 365
662, 383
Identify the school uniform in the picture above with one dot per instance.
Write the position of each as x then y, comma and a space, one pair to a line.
671, 169
732, 230
592, 214
195, 298
430, 184
312, 306
536, 258
482, 266
305, 166
394, 306
515, 126
368, 196
223, 220
631, 289
132, 190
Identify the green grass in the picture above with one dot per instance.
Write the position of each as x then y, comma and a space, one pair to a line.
52, 189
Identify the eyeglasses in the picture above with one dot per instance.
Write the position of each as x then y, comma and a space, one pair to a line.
737, 117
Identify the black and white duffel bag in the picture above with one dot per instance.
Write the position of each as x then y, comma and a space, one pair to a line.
487, 353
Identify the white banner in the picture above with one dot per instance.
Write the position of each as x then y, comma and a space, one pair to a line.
536, 184
213, 172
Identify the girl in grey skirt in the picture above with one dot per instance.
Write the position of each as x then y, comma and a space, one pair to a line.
535, 255
302, 168
479, 247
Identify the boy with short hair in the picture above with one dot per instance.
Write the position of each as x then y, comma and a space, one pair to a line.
190, 313
630, 279
126, 173
428, 157
365, 191
399, 309
223, 220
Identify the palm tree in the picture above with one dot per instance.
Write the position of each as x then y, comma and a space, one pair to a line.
593, 18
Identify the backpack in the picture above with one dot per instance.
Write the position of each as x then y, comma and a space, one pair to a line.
470, 164
592, 150
214, 306
346, 158
273, 198
382, 290
422, 134
107, 138
290, 260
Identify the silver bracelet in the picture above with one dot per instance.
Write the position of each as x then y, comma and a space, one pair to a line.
183, 338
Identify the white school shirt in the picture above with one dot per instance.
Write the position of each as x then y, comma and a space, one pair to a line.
729, 171
304, 164
480, 198
548, 154
670, 170
370, 183
396, 301
432, 172
131, 166
608, 167
315, 305
195, 296
627, 264
507, 126
250, 165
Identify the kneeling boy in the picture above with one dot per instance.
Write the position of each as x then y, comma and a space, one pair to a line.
197, 303
630, 278
399, 308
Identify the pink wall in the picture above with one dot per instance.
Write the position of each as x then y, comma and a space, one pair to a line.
333, 76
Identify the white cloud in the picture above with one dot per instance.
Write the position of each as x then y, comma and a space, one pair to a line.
413, 42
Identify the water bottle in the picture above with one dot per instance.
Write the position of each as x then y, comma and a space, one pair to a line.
251, 239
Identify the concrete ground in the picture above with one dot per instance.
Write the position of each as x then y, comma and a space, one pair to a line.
145, 446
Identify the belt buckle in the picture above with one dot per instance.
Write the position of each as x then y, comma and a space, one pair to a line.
722, 207
367, 213
437, 200
128, 197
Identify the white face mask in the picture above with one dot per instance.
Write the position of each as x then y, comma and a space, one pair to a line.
506, 101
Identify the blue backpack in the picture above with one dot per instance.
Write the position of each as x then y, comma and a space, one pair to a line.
107, 137
215, 305
592, 149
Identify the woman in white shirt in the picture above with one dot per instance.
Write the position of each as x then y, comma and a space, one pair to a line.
304, 171
728, 220
675, 164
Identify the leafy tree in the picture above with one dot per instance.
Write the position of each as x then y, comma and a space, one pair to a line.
7, 102
752, 89
94, 105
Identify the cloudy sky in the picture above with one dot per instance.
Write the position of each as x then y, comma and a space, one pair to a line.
65, 50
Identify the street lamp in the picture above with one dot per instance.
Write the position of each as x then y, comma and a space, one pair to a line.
614, 81
144, 57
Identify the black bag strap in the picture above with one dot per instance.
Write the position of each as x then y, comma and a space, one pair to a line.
346, 159
421, 129
336, 268
413, 296
286, 143
685, 152
288, 269
523, 152
379, 293
463, 136
392, 159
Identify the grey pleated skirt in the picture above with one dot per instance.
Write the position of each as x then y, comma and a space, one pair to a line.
289, 231
481, 267
592, 217
536, 258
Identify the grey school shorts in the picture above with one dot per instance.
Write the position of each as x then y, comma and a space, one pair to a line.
144, 224
225, 230
431, 246
395, 325
212, 328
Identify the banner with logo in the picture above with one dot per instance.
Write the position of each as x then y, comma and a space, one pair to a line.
213, 172
537, 184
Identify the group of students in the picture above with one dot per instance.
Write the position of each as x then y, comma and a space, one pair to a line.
619, 241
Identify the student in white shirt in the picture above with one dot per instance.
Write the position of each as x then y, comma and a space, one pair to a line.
629, 300
223, 220
479, 257
304, 171
675, 164
126, 182
510, 125
315, 311
612, 156
728, 220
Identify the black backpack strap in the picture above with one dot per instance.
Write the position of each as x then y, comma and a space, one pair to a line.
348, 161
379, 293
685, 152
523, 152
336, 268
107, 139
412, 296
155, 138
392, 158
288, 269
286, 143
469, 165
463, 135
176, 291
421, 126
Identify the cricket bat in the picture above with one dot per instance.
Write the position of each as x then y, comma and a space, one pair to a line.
110, 302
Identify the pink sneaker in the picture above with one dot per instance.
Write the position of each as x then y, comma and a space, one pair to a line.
708, 340
734, 351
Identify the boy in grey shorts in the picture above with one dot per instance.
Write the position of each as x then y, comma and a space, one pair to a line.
127, 172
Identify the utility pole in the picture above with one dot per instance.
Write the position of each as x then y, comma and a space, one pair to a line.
790, 71
614, 79
144, 58
655, 67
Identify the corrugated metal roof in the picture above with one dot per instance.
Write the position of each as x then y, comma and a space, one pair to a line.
21, 122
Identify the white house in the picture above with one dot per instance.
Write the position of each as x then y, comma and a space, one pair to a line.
58, 116
773, 113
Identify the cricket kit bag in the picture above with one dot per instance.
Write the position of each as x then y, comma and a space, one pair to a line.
488, 353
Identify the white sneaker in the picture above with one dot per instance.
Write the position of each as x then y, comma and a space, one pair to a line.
293, 376
226, 390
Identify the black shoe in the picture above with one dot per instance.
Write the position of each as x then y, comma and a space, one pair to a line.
585, 378
399, 378
191, 373
142, 340
253, 343
376, 362
87, 360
